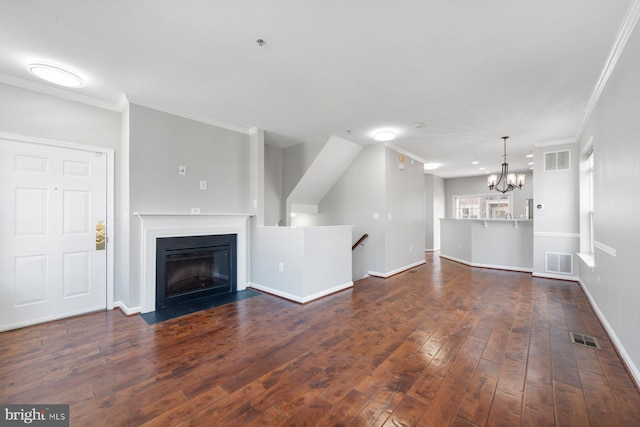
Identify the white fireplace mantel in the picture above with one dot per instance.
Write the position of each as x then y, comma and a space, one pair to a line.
155, 225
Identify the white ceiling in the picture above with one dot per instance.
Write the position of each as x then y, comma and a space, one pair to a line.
471, 71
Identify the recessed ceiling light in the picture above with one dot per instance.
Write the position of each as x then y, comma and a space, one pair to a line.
55, 74
431, 166
418, 125
384, 135
529, 155
481, 169
530, 163
475, 162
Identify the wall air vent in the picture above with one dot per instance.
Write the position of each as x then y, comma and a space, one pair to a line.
557, 161
559, 263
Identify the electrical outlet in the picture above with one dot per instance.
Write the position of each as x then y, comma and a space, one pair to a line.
195, 211
182, 170
280, 267
376, 215
203, 185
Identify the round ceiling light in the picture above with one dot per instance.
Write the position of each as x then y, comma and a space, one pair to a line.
384, 135
56, 75
431, 166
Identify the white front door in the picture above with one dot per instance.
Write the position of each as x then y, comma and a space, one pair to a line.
51, 200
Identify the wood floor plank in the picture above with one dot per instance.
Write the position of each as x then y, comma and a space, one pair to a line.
571, 409
378, 409
406, 413
442, 344
600, 400
480, 392
538, 405
442, 410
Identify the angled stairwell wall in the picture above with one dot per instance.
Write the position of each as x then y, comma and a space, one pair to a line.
331, 162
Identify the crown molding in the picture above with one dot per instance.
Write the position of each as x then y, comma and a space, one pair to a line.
555, 142
191, 116
60, 93
403, 151
123, 103
628, 24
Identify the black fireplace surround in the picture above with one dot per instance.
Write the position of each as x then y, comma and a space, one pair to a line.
193, 267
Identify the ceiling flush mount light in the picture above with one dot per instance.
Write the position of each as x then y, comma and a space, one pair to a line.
431, 166
55, 74
384, 135
509, 180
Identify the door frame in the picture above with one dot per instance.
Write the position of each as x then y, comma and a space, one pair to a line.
110, 179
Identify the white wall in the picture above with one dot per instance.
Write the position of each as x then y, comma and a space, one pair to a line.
615, 129
301, 264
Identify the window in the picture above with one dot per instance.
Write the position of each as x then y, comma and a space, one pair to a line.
587, 184
590, 196
482, 206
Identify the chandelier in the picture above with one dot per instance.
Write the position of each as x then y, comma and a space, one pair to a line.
508, 180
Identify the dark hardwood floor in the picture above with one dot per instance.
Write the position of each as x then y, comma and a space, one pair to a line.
443, 344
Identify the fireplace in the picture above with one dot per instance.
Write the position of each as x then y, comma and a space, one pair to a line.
154, 226
193, 267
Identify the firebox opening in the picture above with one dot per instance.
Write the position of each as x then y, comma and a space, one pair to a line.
193, 267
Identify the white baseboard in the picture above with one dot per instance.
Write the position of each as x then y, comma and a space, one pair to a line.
297, 298
126, 310
492, 266
556, 276
633, 369
50, 318
396, 271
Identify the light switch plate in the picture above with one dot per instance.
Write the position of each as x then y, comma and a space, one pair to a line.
182, 170
203, 185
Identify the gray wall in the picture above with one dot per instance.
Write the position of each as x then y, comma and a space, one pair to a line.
297, 159
158, 144
273, 197
478, 185
556, 227
405, 227
434, 210
28, 113
375, 185
353, 200
33, 114
613, 283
